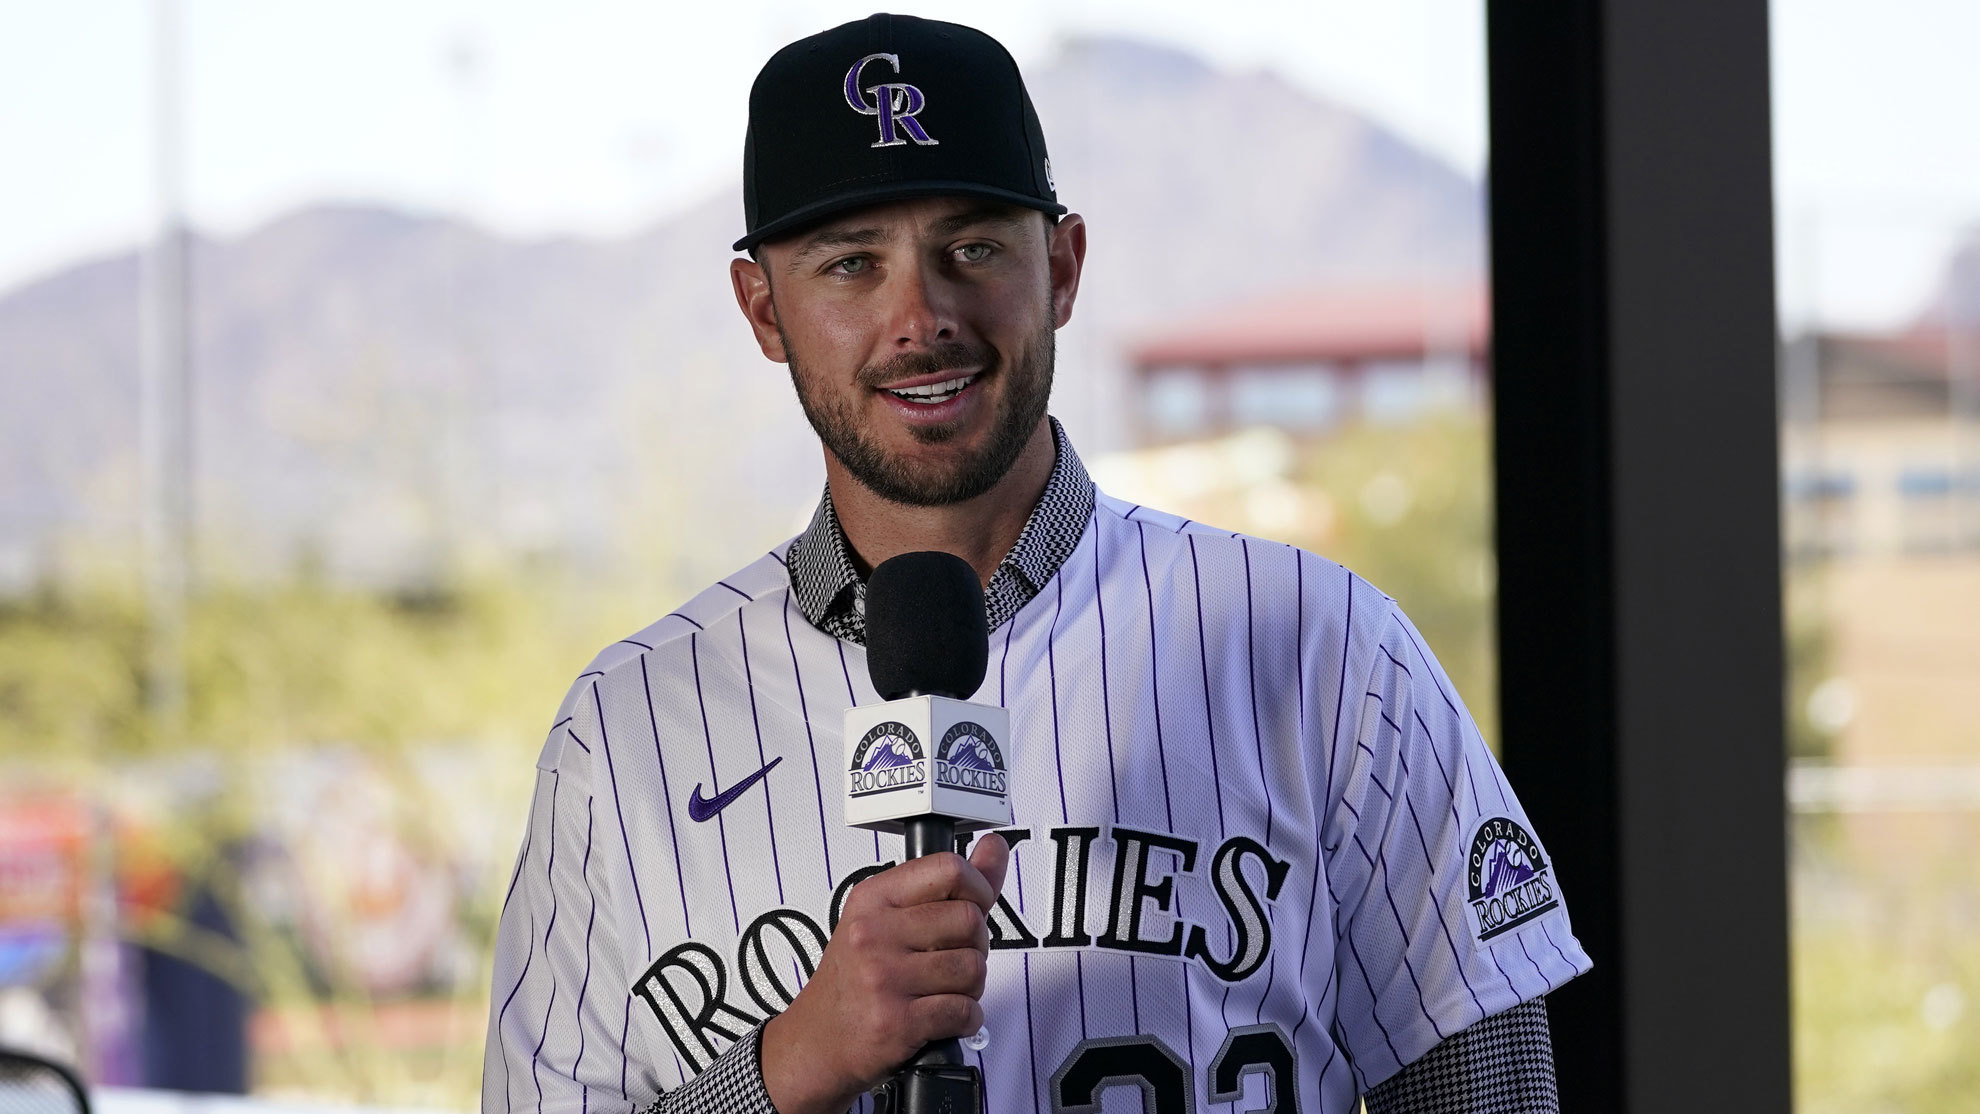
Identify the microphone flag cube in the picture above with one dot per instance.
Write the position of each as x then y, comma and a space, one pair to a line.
927, 755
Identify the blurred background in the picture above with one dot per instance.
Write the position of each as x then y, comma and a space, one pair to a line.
364, 367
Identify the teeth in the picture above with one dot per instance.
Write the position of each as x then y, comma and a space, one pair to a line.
933, 392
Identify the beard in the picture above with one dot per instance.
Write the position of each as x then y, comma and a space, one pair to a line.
1019, 410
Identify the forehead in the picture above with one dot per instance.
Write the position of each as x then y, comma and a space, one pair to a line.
913, 217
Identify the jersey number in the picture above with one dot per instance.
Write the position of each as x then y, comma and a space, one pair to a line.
1144, 1061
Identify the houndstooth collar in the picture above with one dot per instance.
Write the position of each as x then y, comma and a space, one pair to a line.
832, 594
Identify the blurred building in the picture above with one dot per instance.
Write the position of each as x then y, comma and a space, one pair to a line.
1307, 361
1880, 446
1880, 459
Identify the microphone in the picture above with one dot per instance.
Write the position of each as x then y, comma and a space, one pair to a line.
927, 762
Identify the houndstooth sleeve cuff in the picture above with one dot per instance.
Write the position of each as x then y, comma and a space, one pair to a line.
733, 1084
1502, 1065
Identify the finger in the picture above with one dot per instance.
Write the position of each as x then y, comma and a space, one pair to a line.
943, 876
992, 858
955, 971
944, 1015
939, 925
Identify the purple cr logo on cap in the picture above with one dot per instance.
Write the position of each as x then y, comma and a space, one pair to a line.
894, 102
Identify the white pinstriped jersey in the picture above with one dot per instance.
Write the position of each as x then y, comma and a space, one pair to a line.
1256, 833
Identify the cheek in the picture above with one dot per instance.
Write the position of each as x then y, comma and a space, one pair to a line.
1019, 324
833, 338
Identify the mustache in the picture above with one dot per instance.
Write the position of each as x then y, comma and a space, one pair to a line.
907, 365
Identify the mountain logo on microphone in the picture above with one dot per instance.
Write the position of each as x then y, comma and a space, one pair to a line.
1511, 882
968, 759
888, 758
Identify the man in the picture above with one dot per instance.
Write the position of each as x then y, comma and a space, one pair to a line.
1256, 832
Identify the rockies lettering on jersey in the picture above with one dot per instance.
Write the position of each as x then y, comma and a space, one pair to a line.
1255, 833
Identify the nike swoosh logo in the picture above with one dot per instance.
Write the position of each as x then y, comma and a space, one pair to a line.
702, 809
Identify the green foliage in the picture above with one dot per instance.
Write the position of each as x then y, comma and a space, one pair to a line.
283, 673
1412, 514
1886, 973
1808, 657
71, 677
299, 663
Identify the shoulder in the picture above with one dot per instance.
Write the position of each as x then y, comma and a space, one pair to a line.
1238, 574
762, 583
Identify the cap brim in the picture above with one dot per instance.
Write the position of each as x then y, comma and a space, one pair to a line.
894, 191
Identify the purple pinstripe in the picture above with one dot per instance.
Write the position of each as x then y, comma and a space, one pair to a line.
804, 713
625, 1061
1209, 710
1374, 1013
1410, 803
1322, 817
1529, 957
852, 700
1381, 863
673, 837
1549, 934
1017, 867
1155, 683
1424, 655
715, 776
577, 1010
1251, 671
523, 857
550, 880
1113, 767
527, 956
1210, 721
769, 814
1059, 761
605, 744
1493, 951
1162, 754
1030, 1033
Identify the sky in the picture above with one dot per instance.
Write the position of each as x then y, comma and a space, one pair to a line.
597, 117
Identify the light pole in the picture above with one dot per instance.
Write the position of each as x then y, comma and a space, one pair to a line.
165, 394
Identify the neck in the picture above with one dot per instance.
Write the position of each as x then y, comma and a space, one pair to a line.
980, 530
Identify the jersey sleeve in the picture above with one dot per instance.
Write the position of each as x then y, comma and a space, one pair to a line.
560, 1009
1446, 907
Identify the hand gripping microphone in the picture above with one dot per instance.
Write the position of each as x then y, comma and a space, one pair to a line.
926, 763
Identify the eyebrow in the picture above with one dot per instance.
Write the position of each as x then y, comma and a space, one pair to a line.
854, 236
980, 214
826, 239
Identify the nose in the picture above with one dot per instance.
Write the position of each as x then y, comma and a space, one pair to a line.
921, 308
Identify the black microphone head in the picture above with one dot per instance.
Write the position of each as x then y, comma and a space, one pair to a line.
926, 631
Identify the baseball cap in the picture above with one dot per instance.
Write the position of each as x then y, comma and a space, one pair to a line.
887, 108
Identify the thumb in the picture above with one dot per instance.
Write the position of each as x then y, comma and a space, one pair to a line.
992, 858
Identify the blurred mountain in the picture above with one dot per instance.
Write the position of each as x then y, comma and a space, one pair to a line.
381, 395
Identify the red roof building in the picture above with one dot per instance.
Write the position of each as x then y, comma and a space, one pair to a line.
1307, 360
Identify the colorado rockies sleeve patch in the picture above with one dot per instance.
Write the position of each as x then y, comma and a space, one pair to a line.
1510, 880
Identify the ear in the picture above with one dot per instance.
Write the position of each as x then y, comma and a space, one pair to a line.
1067, 254
752, 287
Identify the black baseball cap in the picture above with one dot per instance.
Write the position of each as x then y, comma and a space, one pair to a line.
887, 108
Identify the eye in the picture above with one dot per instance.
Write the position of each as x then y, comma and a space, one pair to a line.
850, 265
974, 253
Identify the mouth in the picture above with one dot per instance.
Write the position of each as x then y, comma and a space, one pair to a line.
933, 394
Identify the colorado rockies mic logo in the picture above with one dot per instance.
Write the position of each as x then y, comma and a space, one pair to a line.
1510, 883
887, 758
968, 759
894, 102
